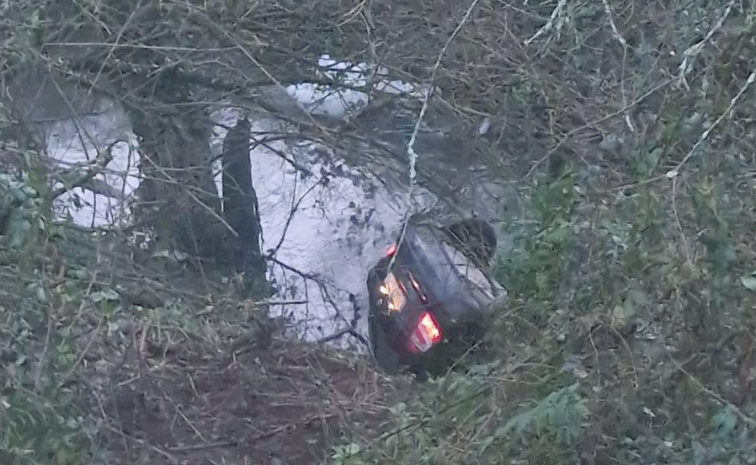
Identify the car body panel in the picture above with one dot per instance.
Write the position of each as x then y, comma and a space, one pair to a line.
439, 278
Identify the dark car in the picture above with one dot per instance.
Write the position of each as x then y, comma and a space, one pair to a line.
431, 297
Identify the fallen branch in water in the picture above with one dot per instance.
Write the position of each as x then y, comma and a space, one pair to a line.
279, 303
86, 179
341, 333
313, 277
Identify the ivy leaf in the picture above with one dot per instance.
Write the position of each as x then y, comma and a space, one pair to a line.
486, 443
105, 294
749, 282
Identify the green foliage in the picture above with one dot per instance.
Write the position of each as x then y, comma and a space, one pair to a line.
39, 421
347, 455
469, 418
730, 440
538, 263
631, 306
630, 335
557, 419
18, 210
42, 432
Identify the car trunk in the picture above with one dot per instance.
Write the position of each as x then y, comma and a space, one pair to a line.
458, 291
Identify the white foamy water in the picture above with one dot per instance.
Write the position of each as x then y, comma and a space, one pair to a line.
332, 226
323, 100
75, 144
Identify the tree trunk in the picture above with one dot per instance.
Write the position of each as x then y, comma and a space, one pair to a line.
240, 208
177, 188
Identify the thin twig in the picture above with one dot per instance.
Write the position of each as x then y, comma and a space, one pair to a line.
142, 443
693, 51
294, 209
429, 93
259, 437
593, 123
112, 48
411, 145
719, 399
94, 168
189, 192
623, 43
550, 23
188, 422
117, 45
686, 246
43, 357
705, 135
245, 51
341, 333
95, 334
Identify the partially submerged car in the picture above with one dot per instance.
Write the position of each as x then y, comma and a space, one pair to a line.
431, 297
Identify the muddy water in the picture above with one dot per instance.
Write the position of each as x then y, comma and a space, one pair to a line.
329, 215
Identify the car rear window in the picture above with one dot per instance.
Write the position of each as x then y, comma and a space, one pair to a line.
471, 273
428, 238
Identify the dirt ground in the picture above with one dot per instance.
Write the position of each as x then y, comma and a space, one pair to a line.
283, 405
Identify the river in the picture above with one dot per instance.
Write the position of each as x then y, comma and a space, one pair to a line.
328, 213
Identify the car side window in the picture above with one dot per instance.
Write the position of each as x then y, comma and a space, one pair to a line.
468, 270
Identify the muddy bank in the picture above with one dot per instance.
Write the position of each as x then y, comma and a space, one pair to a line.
288, 401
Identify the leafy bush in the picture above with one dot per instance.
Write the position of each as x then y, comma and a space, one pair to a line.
556, 420
610, 350
18, 210
39, 421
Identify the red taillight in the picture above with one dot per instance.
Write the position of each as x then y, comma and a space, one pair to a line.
427, 333
391, 250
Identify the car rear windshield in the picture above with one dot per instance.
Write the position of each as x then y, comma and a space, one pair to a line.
468, 271
430, 240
